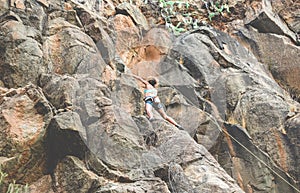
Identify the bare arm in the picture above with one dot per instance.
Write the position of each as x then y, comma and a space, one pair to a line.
140, 79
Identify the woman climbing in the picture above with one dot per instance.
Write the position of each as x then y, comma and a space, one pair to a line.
151, 100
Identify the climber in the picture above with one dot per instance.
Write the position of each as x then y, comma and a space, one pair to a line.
151, 100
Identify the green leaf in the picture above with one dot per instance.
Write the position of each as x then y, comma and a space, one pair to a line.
220, 9
227, 8
178, 24
187, 5
211, 15
162, 3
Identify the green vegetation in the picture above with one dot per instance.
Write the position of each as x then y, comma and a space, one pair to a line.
12, 187
180, 16
216, 8
3, 175
17, 188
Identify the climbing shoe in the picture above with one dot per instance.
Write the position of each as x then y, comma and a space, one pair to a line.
179, 127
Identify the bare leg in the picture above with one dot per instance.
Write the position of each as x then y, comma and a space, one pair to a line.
149, 112
166, 117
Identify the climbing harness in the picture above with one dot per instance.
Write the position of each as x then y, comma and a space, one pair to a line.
228, 134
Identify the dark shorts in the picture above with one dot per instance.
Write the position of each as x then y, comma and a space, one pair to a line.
150, 100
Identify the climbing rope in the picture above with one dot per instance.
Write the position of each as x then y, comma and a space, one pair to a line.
261, 161
226, 132
237, 141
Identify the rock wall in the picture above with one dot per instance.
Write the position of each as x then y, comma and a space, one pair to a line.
72, 116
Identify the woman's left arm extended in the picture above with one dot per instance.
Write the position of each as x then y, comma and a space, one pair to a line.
140, 79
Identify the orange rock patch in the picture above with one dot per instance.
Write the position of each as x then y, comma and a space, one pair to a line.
24, 121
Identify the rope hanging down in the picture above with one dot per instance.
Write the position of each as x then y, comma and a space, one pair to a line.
237, 141
225, 132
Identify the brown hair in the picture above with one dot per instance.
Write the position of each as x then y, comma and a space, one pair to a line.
153, 81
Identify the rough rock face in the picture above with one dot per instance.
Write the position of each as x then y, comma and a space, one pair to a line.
21, 54
246, 97
25, 115
72, 116
273, 36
